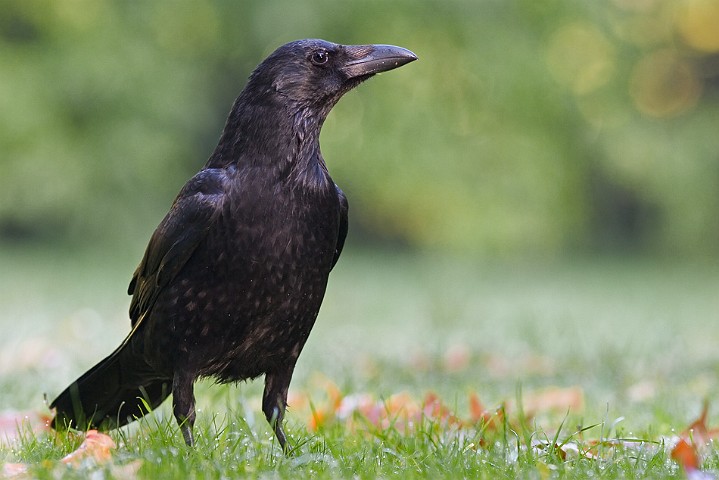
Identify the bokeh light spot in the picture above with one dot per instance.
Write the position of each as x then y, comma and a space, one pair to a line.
581, 57
699, 24
663, 84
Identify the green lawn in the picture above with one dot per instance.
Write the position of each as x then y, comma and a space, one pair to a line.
638, 337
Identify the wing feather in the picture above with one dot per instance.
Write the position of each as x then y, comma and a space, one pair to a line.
344, 225
193, 213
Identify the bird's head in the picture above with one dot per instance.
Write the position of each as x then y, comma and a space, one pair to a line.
316, 73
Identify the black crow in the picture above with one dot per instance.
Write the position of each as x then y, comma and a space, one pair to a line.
233, 277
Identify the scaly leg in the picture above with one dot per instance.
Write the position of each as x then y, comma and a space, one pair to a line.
274, 402
183, 404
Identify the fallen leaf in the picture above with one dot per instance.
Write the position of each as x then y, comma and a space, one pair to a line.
14, 423
318, 419
477, 411
695, 438
399, 411
435, 410
323, 414
478, 414
95, 448
698, 431
297, 400
685, 455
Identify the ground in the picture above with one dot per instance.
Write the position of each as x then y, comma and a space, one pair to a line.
405, 349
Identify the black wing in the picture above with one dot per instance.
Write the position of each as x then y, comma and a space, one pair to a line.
193, 212
342, 234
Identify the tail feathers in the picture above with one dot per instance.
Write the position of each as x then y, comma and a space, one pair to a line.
116, 391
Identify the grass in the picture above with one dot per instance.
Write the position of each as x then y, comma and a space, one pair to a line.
637, 337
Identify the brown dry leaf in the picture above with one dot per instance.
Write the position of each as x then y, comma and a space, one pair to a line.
13, 423
96, 448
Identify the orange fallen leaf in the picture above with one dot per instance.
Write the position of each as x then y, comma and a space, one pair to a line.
685, 455
297, 400
404, 413
399, 411
13, 423
697, 435
434, 409
322, 414
318, 419
96, 447
698, 431
478, 414
476, 409
400, 408
94, 450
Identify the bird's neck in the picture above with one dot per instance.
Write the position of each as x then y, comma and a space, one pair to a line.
284, 138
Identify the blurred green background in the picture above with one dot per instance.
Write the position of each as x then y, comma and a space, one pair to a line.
527, 127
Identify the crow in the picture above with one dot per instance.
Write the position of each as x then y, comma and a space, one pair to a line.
233, 277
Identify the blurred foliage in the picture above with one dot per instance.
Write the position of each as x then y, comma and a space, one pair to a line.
530, 127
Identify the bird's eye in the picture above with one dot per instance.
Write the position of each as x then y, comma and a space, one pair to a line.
320, 57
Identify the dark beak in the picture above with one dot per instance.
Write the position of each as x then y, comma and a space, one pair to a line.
371, 59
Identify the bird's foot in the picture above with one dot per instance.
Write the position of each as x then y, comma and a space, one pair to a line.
187, 435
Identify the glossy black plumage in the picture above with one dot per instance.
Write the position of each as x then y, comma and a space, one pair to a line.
233, 277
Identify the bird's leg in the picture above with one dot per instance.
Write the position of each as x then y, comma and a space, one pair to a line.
183, 404
274, 402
